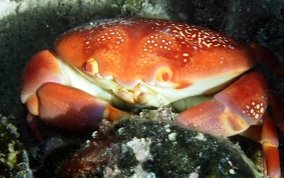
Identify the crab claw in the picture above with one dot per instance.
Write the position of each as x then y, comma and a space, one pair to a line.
42, 68
46, 95
234, 110
71, 108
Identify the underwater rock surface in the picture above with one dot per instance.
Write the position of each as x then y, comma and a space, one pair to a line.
14, 161
143, 148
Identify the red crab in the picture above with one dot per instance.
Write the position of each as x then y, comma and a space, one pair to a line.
112, 64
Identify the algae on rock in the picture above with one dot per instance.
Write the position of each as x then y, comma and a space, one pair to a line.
147, 148
14, 161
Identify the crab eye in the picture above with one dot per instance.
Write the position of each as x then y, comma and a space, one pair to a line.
164, 74
91, 66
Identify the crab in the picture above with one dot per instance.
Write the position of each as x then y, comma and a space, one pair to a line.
100, 69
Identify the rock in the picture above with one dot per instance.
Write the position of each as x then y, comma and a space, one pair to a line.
14, 161
147, 148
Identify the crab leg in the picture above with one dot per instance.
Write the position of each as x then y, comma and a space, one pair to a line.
270, 148
277, 106
234, 110
266, 57
267, 136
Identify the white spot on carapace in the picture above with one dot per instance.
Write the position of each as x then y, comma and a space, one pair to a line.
261, 104
261, 110
256, 116
254, 110
257, 106
185, 54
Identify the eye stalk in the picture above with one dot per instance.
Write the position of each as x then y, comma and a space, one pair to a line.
164, 74
91, 66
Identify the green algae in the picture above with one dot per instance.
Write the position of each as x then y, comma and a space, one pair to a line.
14, 161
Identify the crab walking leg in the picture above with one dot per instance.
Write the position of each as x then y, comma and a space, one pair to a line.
234, 110
33, 125
270, 144
266, 57
277, 106
267, 136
